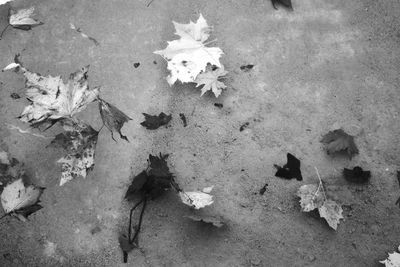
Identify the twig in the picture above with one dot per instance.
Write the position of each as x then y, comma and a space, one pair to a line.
1, 34
13, 127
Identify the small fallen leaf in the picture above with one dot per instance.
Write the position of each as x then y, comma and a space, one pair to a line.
15, 96
113, 118
196, 199
393, 260
356, 175
290, 170
210, 82
21, 19
80, 141
216, 221
284, 3
244, 126
20, 199
126, 246
263, 189
154, 122
189, 56
338, 141
313, 197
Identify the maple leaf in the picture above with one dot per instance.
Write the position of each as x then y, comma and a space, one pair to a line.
197, 199
216, 221
284, 3
209, 80
393, 260
51, 98
189, 56
154, 181
154, 122
113, 118
21, 19
356, 175
313, 197
20, 200
80, 142
290, 170
338, 140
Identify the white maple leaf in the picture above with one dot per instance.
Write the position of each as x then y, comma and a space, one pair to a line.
81, 142
313, 197
209, 80
16, 196
197, 199
22, 19
189, 56
53, 99
393, 260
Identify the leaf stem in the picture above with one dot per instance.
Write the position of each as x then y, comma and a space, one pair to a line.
140, 219
130, 219
1, 34
320, 185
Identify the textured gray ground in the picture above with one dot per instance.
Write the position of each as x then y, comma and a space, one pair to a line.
328, 64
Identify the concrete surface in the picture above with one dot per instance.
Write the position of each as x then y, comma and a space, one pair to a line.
328, 64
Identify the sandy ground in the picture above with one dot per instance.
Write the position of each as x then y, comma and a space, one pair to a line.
328, 64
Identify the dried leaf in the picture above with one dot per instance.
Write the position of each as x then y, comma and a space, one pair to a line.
312, 197
113, 118
183, 118
290, 170
80, 142
393, 260
52, 99
126, 246
196, 199
356, 175
136, 186
210, 82
284, 3
154, 122
246, 68
189, 56
216, 221
21, 19
338, 141
20, 199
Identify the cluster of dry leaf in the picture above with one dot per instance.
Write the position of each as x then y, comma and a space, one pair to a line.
190, 59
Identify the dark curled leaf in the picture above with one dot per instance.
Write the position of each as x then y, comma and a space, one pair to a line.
218, 105
154, 122
113, 118
126, 246
339, 141
183, 118
290, 170
246, 68
216, 221
136, 185
284, 3
356, 175
136, 65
